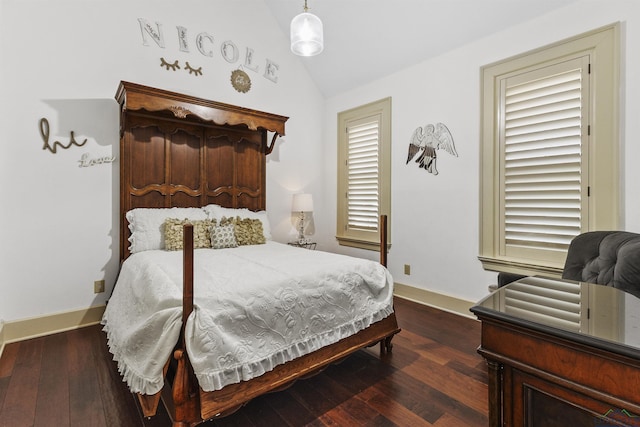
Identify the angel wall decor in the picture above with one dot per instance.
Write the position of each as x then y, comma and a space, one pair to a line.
429, 139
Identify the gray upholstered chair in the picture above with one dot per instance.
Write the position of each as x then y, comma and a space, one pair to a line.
610, 258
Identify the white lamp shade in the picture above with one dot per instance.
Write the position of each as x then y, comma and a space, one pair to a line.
302, 203
306, 35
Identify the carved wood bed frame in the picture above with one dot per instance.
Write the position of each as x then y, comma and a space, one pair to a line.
178, 150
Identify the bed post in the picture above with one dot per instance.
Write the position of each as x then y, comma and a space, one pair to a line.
383, 239
385, 344
186, 398
187, 276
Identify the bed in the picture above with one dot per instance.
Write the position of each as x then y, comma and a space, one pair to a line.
186, 163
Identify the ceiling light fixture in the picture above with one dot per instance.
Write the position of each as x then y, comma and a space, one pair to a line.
306, 34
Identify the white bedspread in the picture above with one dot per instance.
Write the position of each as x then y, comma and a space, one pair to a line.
255, 307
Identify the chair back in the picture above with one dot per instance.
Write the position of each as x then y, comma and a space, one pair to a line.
610, 258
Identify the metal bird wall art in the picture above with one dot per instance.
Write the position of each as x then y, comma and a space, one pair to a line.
429, 140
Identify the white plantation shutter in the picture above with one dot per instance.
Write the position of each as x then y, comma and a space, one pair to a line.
363, 174
543, 186
550, 153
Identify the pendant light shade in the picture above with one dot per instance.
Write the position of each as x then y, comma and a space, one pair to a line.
306, 34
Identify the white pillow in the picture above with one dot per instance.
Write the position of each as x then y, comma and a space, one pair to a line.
146, 225
217, 212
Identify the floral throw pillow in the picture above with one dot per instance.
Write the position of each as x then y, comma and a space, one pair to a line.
223, 236
173, 233
249, 231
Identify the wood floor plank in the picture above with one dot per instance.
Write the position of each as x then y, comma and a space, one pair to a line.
457, 332
19, 407
261, 409
438, 352
4, 385
478, 372
428, 401
466, 390
392, 409
307, 395
53, 387
413, 394
119, 405
337, 417
241, 419
337, 392
408, 392
449, 420
363, 414
289, 409
360, 371
339, 403
8, 359
85, 401
321, 422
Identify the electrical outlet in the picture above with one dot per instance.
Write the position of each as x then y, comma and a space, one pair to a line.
407, 269
98, 286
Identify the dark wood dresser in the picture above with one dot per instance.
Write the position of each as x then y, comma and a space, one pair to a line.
561, 353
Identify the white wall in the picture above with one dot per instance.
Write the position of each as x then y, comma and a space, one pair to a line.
435, 218
63, 60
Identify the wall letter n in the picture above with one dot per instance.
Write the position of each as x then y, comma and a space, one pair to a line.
149, 30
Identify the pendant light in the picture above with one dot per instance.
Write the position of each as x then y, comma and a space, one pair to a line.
306, 34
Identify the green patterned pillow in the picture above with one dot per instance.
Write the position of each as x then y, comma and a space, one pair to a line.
249, 232
173, 233
223, 236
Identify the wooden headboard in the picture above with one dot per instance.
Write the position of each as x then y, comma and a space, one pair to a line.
178, 150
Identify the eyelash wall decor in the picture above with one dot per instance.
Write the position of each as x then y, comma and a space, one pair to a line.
174, 66
195, 71
429, 139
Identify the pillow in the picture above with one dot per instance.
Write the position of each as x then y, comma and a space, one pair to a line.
223, 236
174, 233
147, 225
217, 212
249, 232
226, 221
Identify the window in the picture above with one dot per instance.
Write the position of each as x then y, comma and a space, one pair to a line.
549, 152
364, 173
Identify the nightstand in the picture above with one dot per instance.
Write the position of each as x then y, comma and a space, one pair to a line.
307, 245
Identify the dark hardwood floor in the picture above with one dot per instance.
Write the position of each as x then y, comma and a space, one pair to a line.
433, 377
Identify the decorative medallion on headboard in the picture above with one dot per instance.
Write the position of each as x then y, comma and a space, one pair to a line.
179, 150
179, 112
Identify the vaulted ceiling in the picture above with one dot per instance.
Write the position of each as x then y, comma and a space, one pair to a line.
369, 39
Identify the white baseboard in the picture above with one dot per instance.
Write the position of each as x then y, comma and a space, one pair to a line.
34, 327
434, 299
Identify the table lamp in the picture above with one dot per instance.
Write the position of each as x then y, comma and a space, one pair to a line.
302, 203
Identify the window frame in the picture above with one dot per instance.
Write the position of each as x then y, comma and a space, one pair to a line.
364, 239
601, 143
